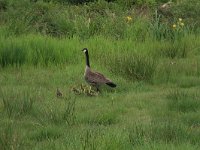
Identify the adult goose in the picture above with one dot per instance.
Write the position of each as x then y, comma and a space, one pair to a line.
95, 78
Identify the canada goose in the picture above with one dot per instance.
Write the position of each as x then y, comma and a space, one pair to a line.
95, 78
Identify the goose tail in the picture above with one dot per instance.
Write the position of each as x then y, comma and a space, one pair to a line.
111, 84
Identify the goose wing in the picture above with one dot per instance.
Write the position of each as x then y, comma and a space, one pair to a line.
96, 77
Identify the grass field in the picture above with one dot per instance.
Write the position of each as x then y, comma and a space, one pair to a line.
155, 105
135, 115
152, 56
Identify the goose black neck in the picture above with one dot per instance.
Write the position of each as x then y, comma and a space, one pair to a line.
87, 59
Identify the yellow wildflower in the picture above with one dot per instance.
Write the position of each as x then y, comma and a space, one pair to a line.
180, 19
174, 25
182, 24
129, 18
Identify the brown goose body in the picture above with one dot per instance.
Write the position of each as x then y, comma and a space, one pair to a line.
95, 78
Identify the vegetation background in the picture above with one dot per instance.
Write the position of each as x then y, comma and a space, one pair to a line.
149, 48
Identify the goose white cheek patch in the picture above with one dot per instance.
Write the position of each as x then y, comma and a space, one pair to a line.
84, 50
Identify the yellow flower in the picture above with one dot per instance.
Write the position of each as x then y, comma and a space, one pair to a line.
129, 18
174, 25
180, 19
182, 24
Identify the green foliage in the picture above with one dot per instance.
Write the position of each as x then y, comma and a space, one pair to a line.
55, 115
138, 30
104, 119
75, 1
9, 138
182, 101
133, 60
135, 115
174, 50
3, 5
36, 50
130, 3
165, 132
155, 65
48, 133
134, 66
189, 10
147, 2
45, 18
94, 18
16, 104
12, 54
69, 114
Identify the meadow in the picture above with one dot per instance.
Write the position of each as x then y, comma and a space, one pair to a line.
153, 59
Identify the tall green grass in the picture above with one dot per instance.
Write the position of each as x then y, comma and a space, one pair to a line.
37, 50
128, 58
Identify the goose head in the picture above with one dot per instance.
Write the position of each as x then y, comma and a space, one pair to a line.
85, 50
